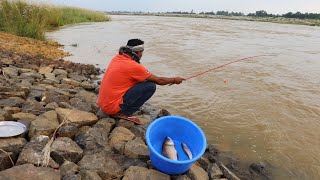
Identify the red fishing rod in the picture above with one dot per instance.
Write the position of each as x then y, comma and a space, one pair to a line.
199, 74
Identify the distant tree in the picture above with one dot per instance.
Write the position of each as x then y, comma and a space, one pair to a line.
223, 13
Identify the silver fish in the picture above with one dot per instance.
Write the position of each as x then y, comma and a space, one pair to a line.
187, 150
168, 149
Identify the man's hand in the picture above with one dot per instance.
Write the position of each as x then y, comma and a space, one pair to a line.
178, 80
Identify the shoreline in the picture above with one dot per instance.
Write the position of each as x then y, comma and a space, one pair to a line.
278, 20
42, 91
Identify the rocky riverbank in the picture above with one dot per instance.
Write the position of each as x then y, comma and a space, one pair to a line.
68, 137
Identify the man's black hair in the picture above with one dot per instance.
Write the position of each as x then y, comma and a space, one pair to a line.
135, 42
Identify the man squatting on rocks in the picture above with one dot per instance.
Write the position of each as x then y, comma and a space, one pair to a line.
127, 85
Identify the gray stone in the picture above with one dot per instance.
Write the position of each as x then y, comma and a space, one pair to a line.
24, 70
29, 172
89, 175
36, 93
12, 144
77, 77
68, 168
20, 94
59, 72
227, 173
31, 74
50, 96
32, 152
125, 123
86, 96
12, 110
197, 173
120, 135
126, 162
45, 70
5, 161
63, 149
180, 177
204, 162
12, 102
138, 131
136, 149
70, 82
33, 107
26, 83
50, 76
163, 112
141, 173
22, 115
10, 72
214, 171
67, 131
5, 115
72, 177
76, 117
263, 169
65, 105
79, 104
103, 165
51, 106
44, 124
88, 86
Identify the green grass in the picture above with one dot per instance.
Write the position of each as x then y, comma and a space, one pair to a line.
33, 21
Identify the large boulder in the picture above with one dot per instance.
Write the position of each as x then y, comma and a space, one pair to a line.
29, 172
103, 165
136, 149
76, 117
64, 148
44, 124
32, 152
142, 173
120, 135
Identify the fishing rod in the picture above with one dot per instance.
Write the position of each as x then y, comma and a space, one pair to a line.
201, 73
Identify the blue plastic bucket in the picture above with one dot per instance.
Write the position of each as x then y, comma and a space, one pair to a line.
180, 130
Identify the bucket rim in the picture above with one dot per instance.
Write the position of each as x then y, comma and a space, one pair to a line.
170, 160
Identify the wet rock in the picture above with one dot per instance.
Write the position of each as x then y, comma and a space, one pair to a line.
136, 149
204, 162
68, 168
60, 72
76, 117
79, 104
21, 115
12, 102
262, 169
12, 110
120, 135
227, 173
214, 171
29, 172
77, 77
44, 124
5, 115
141, 173
197, 173
45, 70
70, 82
103, 165
162, 113
5, 162
64, 148
125, 123
51, 106
32, 152
33, 107
88, 86
67, 131
89, 175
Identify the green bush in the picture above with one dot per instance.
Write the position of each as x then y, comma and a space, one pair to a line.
33, 21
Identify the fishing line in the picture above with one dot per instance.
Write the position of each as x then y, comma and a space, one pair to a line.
201, 73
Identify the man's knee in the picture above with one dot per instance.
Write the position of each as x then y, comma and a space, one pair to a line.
151, 86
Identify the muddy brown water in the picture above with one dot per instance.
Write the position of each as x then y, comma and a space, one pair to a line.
266, 108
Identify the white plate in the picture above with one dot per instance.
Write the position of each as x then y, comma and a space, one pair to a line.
11, 128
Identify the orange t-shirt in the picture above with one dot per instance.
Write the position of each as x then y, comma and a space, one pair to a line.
121, 75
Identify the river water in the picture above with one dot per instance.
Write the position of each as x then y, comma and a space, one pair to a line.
263, 109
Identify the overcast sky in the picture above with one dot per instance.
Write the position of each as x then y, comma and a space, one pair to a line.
246, 6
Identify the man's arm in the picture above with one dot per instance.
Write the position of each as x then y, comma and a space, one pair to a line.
165, 80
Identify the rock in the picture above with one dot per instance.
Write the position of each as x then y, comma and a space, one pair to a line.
145, 119
50, 76
5, 162
12, 144
101, 115
6, 61
120, 135
94, 138
138, 131
12, 102
126, 162
5, 115
21, 115
24, 70
77, 77
214, 171
51, 106
36, 93
87, 97
63, 149
50, 96
227, 173
10, 72
88, 86
141, 173
89, 175
76, 117
45, 70
60, 72
60, 77
103, 165
79, 104
68, 168
67, 131
44, 124
70, 82
29, 172
33, 107
12, 110
27, 123
180, 177
197, 173
20, 94
32, 152
125, 123
26, 83
65, 105
72, 177
262, 169
136, 149
31, 74
204, 162
162, 113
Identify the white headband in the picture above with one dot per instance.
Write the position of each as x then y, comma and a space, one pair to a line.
137, 48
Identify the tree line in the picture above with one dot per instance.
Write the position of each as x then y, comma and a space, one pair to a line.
261, 13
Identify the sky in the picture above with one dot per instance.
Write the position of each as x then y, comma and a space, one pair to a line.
245, 6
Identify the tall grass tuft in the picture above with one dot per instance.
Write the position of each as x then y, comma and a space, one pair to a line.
33, 21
